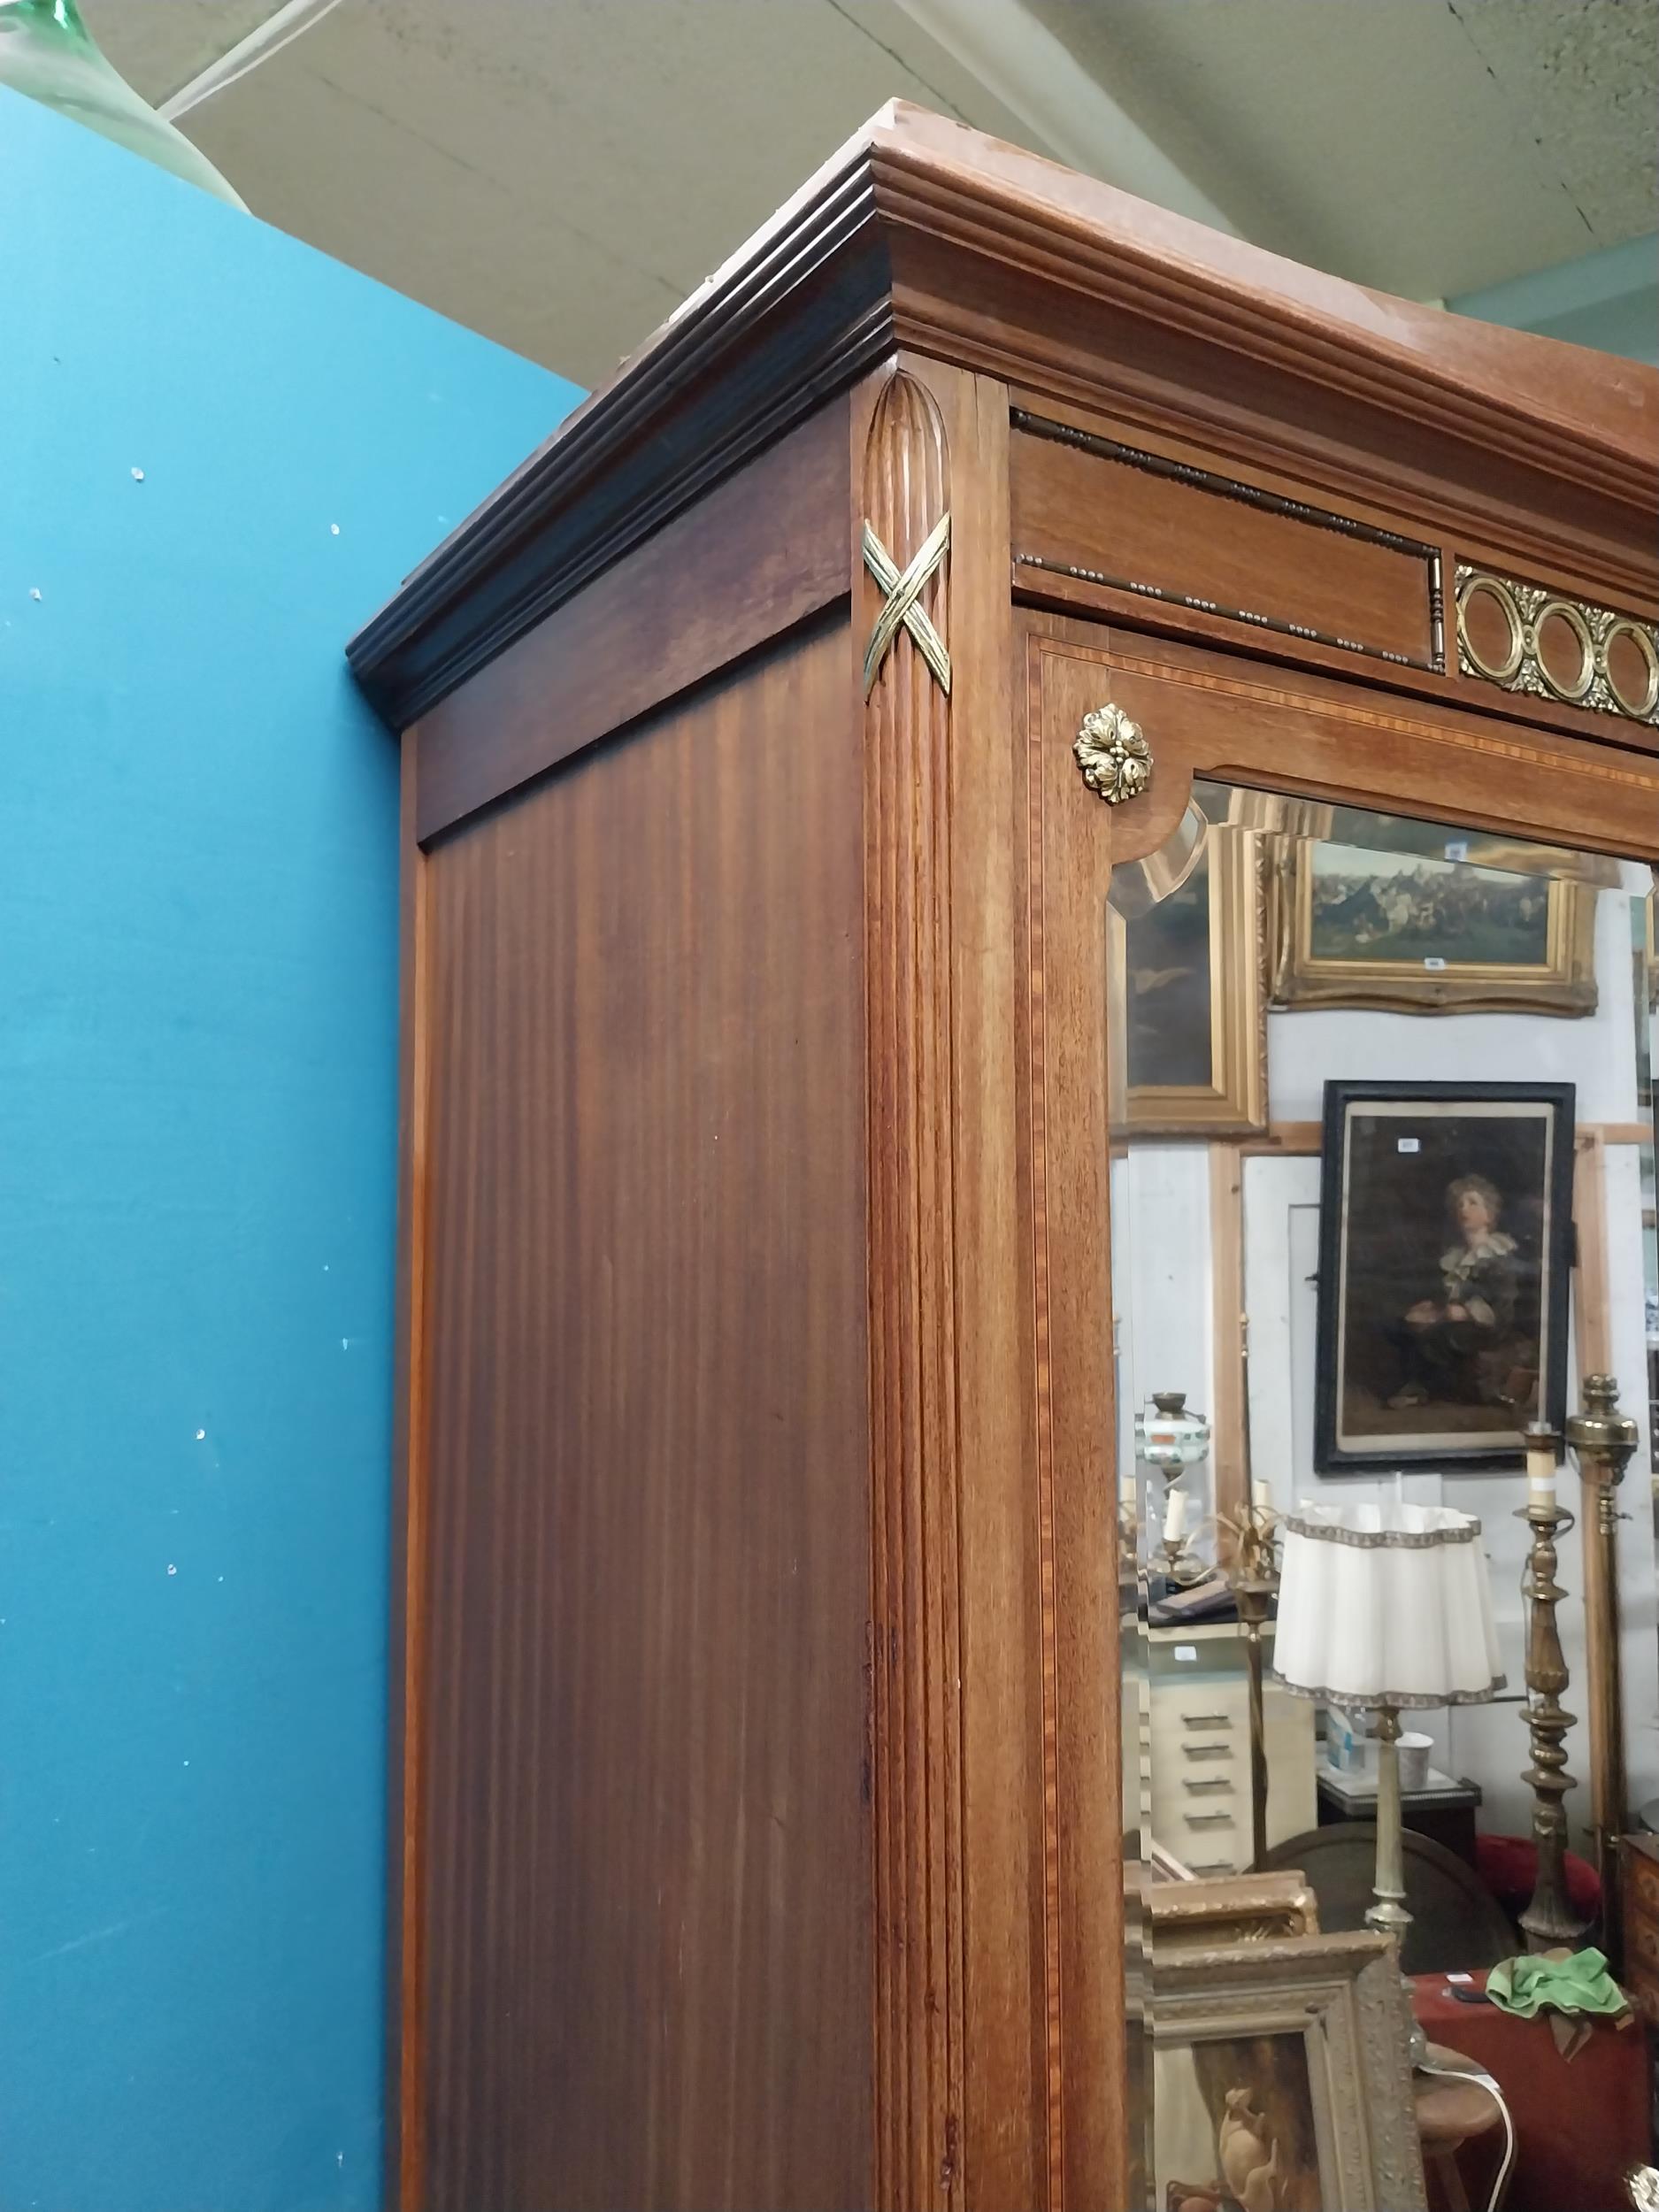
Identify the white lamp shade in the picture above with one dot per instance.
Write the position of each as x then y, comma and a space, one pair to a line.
1385, 1605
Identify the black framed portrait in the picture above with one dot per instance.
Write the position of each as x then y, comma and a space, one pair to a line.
1445, 1248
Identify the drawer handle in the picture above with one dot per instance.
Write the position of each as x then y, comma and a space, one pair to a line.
1208, 1820
1210, 1866
1207, 1750
1222, 1785
1206, 1720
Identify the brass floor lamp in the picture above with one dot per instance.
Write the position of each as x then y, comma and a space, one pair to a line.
1601, 1440
1548, 1922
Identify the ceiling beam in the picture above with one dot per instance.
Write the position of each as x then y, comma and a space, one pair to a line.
1022, 63
269, 37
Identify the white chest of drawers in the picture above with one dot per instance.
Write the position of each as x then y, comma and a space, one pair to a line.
1195, 1747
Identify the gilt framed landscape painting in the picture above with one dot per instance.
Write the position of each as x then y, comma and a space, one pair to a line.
1446, 1250
1393, 914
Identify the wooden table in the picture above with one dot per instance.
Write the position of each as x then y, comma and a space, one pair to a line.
1445, 1811
1581, 2124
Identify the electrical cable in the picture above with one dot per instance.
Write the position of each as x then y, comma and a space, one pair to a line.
1480, 2076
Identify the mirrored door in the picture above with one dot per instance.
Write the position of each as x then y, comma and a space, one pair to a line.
1380, 1126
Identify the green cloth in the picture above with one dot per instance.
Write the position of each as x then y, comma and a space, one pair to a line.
1578, 1983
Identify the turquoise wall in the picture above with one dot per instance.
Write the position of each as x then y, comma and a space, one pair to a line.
1608, 300
198, 994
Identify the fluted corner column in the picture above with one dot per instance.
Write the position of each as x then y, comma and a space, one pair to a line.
904, 633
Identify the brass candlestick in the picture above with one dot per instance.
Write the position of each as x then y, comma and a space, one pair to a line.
1549, 1921
1181, 1566
1128, 1539
1602, 1440
1255, 1584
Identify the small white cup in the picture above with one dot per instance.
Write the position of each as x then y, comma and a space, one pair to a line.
1414, 1761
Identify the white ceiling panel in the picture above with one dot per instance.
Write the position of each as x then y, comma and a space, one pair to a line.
1412, 144
560, 173
1583, 82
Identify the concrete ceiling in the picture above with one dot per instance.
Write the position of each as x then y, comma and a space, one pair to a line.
559, 173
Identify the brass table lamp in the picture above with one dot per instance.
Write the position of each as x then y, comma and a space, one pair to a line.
1254, 1581
1386, 1606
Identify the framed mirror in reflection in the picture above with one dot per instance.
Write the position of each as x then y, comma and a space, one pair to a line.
1446, 1213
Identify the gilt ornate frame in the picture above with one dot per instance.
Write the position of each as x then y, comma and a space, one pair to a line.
1341, 1996
1564, 983
1209, 1912
1235, 1102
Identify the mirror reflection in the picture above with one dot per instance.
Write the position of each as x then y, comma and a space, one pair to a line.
1387, 1330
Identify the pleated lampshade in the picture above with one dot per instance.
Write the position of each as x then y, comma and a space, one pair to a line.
1385, 1605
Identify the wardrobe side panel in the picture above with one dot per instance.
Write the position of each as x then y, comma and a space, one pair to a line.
646, 1865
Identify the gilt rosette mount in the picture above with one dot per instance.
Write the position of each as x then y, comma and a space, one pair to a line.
1114, 756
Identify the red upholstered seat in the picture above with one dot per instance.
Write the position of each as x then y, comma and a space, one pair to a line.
1508, 1867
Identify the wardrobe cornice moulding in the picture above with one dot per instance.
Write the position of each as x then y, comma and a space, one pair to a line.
924, 235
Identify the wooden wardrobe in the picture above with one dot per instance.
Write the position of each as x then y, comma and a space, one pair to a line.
768, 739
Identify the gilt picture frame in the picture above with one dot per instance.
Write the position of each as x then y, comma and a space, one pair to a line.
1445, 1252
1394, 916
1210, 1912
1281, 2075
1189, 985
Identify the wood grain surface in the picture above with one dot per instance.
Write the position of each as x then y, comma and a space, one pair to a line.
1137, 525
757, 554
647, 1852
1282, 730
1068, 843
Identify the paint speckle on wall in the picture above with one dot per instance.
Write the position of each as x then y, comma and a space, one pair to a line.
198, 1008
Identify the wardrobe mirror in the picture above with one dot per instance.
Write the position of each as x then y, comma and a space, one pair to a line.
1383, 1121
